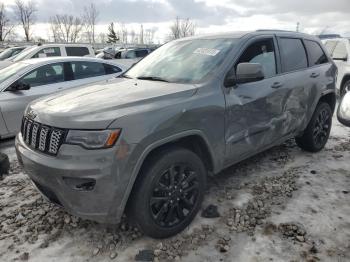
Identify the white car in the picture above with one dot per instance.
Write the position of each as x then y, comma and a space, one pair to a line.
49, 50
339, 49
27, 80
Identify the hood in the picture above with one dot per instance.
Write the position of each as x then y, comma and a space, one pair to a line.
5, 63
98, 105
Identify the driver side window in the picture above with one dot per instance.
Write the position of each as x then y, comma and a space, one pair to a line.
262, 52
44, 75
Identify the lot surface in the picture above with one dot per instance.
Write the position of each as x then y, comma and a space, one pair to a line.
282, 205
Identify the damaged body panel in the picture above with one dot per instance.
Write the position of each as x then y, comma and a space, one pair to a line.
248, 99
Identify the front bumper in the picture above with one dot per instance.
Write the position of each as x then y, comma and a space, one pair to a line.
60, 179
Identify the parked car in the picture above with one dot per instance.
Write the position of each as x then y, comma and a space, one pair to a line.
11, 51
339, 49
27, 80
50, 50
147, 141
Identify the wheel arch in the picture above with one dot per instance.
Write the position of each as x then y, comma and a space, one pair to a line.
343, 81
193, 140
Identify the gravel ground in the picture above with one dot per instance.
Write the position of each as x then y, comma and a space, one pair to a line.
281, 205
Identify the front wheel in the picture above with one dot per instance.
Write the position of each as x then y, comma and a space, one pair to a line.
168, 192
317, 132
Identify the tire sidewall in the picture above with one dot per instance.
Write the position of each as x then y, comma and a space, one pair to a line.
151, 175
319, 108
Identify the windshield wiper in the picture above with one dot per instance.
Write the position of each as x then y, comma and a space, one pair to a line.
152, 78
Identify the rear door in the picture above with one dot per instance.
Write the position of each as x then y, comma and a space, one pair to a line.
43, 80
297, 83
254, 111
87, 72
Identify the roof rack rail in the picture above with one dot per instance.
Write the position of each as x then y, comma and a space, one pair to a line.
276, 30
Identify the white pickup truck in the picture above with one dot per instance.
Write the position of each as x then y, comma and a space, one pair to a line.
49, 50
339, 49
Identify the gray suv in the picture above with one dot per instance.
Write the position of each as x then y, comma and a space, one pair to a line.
145, 142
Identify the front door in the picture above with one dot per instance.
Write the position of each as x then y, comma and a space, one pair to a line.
254, 111
43, 80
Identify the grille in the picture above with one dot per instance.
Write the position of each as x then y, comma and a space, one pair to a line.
42, 137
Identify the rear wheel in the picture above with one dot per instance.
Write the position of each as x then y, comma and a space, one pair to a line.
168, 192
317, 132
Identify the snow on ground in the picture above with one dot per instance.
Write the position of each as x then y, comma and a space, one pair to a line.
281, 205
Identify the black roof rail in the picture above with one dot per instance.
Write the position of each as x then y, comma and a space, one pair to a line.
276, 30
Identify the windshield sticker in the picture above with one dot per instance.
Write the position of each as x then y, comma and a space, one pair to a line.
206, 51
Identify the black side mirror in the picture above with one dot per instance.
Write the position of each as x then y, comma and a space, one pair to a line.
18, 86
249, 72
343, 113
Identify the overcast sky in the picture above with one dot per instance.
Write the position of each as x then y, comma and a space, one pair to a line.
209, 15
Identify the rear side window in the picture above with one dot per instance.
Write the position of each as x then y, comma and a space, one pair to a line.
293, 54
316, 54
141, 53
84, 69
111, 69
77, 51
130, 54
47, 52
262, 52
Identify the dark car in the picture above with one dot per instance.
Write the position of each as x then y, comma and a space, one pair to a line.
145, 143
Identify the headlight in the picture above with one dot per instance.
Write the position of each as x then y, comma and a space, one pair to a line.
93, 139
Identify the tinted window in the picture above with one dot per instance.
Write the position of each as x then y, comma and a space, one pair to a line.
339, 51
316, 54
141, 53
83, 69
293, 54
77, 51
130, 54
49, 51
330, 45
261, 52
110, 69
44, 75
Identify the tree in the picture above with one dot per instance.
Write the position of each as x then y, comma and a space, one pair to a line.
113, 37
66, 28
5, 24
141, 35
25, 14
124, 33
182, 28
90, 20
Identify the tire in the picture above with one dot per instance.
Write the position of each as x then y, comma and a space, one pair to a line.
317, 132
345, 88
161, 206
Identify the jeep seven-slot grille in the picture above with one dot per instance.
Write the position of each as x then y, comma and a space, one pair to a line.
42, 137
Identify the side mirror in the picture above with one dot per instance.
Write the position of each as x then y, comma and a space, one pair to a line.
18, 86
341, 57
343, 112
249, 72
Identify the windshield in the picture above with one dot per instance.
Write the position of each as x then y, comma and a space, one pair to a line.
9, 52
23, 55
186, 61
11, 70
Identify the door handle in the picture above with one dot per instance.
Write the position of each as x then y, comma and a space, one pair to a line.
314, 75
276, 85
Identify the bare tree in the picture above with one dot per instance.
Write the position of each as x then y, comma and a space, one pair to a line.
25, 14
66, 28
90, 20
141, 35
6, 26
124, 33
182, 28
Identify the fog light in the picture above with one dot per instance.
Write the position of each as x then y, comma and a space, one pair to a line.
80, 184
